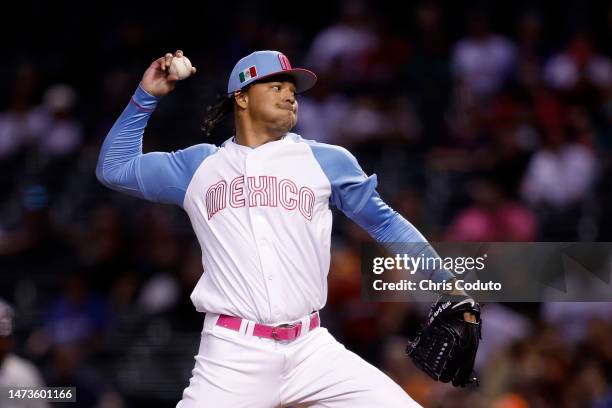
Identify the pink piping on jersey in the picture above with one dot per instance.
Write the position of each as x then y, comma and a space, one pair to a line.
140, 107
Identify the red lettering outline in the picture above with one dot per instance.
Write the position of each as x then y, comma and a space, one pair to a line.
287, 203
273, 191
306, 210
259, 191
237, 191
215, 198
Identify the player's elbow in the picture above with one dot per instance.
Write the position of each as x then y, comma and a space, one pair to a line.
100, 174
105, 173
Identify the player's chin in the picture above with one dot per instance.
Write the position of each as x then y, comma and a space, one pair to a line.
287, 123
293, 120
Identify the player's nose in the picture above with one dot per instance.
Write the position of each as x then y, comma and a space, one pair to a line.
289, 97
288, 94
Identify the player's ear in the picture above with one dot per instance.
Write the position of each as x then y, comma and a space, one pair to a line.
242, 99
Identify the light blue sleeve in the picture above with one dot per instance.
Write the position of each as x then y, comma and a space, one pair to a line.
354, 193
157, 176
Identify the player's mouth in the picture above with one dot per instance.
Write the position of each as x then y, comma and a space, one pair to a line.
287, 106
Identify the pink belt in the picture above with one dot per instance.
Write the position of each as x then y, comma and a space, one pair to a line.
282, 332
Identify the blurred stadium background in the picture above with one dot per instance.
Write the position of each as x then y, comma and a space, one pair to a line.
488, 122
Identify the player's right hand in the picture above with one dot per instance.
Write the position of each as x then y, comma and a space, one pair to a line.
157, 80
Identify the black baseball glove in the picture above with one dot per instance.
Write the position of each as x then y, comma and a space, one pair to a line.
445, 348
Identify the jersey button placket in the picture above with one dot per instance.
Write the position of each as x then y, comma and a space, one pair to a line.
260, 228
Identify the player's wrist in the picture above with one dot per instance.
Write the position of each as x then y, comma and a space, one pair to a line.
143, 99
148, 92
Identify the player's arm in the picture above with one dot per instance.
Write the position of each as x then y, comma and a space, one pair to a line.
355, 195
156, 176
387, 226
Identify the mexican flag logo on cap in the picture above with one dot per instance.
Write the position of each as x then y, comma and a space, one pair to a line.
250, 72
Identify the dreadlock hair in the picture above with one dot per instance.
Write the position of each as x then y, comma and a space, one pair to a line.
219, 110
216, 112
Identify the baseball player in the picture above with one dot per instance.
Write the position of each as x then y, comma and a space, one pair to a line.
260, 207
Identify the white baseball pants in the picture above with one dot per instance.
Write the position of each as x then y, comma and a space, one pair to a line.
234, 369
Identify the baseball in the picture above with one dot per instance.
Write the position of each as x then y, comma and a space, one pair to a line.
181, 67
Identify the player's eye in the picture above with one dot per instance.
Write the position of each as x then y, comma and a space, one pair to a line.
276, 87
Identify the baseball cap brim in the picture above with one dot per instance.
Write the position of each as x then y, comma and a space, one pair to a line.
304, 79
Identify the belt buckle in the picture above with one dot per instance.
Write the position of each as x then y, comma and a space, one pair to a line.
282, 326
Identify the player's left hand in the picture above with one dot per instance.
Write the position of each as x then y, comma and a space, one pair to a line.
469, 317
446, 346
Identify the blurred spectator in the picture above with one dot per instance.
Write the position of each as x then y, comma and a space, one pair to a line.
46, 132
59, 132
426, 75
492, 217
562, 173
530, 44
504, 327
578, 65
321, 113
68, 365
341, 51
430, 37
483, 60
15, 372
574, 318
19, 123
159, 293
35, 236
376, 122
162, 257
366, 120
102, 245
77, 318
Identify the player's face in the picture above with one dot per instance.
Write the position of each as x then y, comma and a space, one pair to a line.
273, 104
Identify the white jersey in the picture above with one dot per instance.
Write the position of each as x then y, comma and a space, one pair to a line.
261, 215
263, 220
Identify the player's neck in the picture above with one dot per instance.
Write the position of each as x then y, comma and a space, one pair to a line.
253, 136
